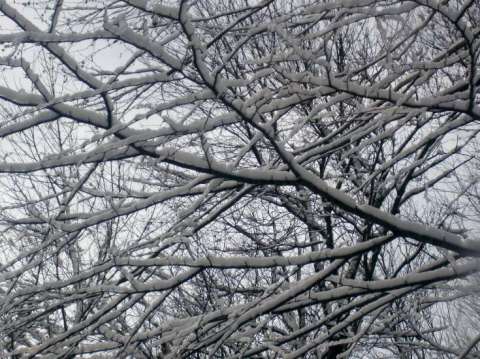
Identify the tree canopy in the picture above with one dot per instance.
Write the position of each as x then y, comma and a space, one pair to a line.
239, 179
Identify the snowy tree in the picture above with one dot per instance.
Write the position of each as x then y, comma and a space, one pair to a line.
239, 178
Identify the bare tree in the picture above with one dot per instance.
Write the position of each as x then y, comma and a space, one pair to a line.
236, 178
